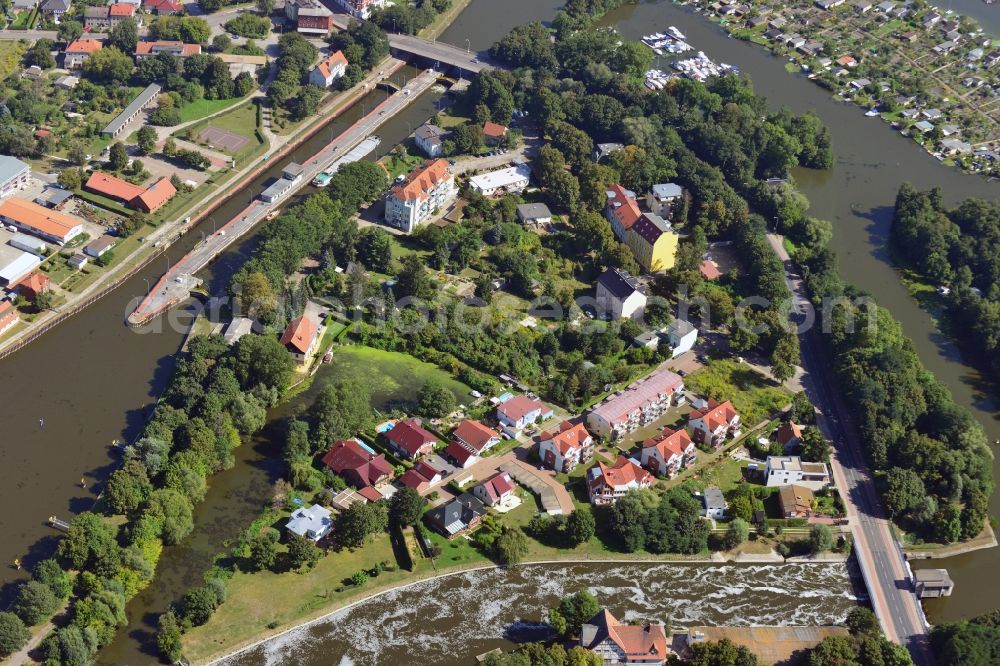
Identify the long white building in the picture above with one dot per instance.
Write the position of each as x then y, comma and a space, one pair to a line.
425, 192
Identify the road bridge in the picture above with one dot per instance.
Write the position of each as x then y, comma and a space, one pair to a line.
178, 283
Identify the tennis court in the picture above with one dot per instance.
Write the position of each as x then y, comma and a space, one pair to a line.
222, 139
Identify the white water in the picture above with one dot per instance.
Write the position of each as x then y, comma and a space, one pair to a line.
449, 620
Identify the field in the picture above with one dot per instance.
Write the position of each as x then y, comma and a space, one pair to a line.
10, 57
203, 107
241, 121
393, 378
753, 395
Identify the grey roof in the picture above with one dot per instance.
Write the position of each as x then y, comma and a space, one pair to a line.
956, 145
237, 328
96, 12
55, 6
619, 283
427, 132
293, 169
53, 196
458, 513
10, 168
277, 188
148, 93
680, 327
533, 211
932, 576
667, 190
713, 498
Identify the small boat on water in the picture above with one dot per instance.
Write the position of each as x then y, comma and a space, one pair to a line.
871, 113
321, 179
675, 33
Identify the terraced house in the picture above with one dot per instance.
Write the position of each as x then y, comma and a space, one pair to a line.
641, 403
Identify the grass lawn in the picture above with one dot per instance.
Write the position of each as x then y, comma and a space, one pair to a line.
203, 107
753, 395
21, 21
391, 377
10, 57
726, 474
397, 165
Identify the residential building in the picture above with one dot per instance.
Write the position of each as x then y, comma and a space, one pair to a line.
326, 73
55, 8
621, 209
237, 329
828, 4
427, 190
785, 470
681, 336
430, 139
120, 11
163, 7
534, 215
955, 147
662, 198
460, 515
96, 19
313, 523
667, 452
521, 411
410, 440
796, 501
14, 175
50, 225
714, 423
421, 477
606, 483
78, 51
621, 644
565, 448
709, 270
602, 150
653, 243
713, 503
494, 133
99, 246
147, 199
361, 9
131, 112
9, 316
789, 436
300, 338
619, 295
641, 403
475, 436
16, 265
358, 464
459, 455
495, 490
145, 50
512, 180
33, 285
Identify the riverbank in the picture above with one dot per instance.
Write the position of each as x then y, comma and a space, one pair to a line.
221, 652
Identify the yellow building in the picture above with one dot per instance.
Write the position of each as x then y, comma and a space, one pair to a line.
653, 243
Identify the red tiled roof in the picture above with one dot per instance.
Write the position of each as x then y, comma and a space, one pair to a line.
419, 475
517, 407
8, 314
669, 443
370, 493
300, 334
422, 180
459, 453
331, 63
624, 473
497, 485
410, 436
570, 436
122, 9
163, 5
112, 186
36, 283
183, 50
474, 433
710, 270
716, 415
787, 432
348, 456
640, 643
628, 211
84, 46
156, 195
30, 214
493, 130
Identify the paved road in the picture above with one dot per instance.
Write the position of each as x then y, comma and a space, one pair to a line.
177, 283
882, 562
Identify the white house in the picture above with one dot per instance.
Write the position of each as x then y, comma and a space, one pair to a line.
14, 175
512, 180
661, 199
313, 523
713, 503
361, 9
607, 483
495, 490
641, 403
784, 470
326, 73
681, 336
430, 139
619, 295
424, 192
520, 411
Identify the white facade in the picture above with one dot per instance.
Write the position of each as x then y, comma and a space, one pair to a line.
661, 199
361, 9
681, 336
313, 523
406, 209
14, 175
512, 180
615, 307
786, 470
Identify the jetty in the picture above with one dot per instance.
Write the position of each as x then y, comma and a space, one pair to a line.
179, 281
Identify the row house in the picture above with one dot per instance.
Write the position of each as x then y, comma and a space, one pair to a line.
641, 403
667, 452
567, 447
714, 423
425, 191
621, 210
607, 483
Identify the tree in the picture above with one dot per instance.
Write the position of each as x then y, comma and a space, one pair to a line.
580, 527
904, 491
124, 36
128, 487
69, 30
249, 25
412, 279
737, 532
721, 653
820, 538
13, 634
49, 573
511, 546
573, 611
262, 360
405, 507
70, 179
222, 42
265, 7
361, 520
802, 409
146, 139
302, 551
88, 536
35, 602
173, 513
40, 54
435, 400
815, 448
168, 637
375, 249
108, 65
263, 550
862, 622
199, 604
117, 156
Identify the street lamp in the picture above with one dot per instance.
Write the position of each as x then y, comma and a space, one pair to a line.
468, 46
148, 288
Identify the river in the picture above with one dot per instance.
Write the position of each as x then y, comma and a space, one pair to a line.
453, 618
43, 465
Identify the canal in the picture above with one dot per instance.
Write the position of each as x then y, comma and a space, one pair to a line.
121, 371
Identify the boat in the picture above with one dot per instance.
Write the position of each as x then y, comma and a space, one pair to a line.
321, 180
675, 33
871, 113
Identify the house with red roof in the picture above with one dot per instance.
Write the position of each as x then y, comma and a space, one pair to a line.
427, 190
606, 483
326, 73
421, 477
78, 51
459, 455
9, 316
175, 48
520, 411
494, 133
358, 464
667, 452
410, 440
567, 447
300, 338
789, 435
163, 7
624, 644
495, 490
475, 436
147, 199
33, 285
622, 210
715, 422
120, 11
709, 269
